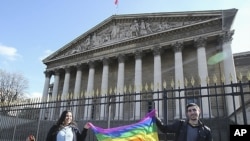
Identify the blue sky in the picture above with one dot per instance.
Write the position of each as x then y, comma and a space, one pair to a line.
30, 30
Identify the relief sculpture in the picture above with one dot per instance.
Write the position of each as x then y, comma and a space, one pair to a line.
119, 31
115, 31
134, 29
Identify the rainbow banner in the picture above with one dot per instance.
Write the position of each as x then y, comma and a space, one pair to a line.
144, 130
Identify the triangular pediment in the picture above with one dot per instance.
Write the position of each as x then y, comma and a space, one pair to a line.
119, 28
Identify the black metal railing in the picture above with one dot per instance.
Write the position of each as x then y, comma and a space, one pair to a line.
221, 105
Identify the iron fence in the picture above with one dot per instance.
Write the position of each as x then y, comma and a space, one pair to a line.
221, 105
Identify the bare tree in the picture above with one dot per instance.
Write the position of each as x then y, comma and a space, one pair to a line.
12, 87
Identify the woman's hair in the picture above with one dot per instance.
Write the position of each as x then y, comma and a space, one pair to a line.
63, 116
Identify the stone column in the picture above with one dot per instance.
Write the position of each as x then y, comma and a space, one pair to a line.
229, 70
158, 81
65, 91
200, 44
54, 93
90, 89
120, 86
138, 84
45, 93
77, 89
179, 79
104, 86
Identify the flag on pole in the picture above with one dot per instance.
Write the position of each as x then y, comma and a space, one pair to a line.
144, 130
116, 2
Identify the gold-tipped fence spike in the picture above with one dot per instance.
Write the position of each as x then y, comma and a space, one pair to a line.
164, 84
97, 92
130, 89
110, 91
146, 87
240, 76
58, 97
223, 79
82, 94
85, 94
186, 82
70, 95
157, 85
135, 88
179, 83
231, 77
215, 79
192, 81
199, 79
207, 80
116, 90
248, 75
38, 99
172, 83
67, 96
125, 89
152, 86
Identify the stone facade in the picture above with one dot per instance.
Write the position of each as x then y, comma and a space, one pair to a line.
141, 49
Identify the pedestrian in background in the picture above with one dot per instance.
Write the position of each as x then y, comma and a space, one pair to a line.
30, 138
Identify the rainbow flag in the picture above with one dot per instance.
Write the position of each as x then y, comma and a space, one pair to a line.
144, 130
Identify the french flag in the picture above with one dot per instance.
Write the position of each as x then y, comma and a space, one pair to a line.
116, 2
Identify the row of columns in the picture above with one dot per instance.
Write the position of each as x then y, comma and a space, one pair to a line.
200, 43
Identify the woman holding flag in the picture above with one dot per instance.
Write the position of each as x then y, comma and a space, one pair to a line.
66, 129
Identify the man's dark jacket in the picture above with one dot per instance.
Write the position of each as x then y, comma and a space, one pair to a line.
179, 127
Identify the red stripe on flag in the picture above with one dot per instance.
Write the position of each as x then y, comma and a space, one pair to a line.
116, 2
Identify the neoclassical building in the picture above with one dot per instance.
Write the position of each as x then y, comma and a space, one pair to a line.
139, 49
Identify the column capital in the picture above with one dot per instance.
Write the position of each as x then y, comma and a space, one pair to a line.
200, 42
105, 61
177, 46
138, 54
47, 73
67, 68
91, 64
79, 66
226, 37
56, 71
121, 58
157, 50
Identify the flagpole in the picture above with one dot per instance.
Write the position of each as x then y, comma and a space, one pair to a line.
117, 4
